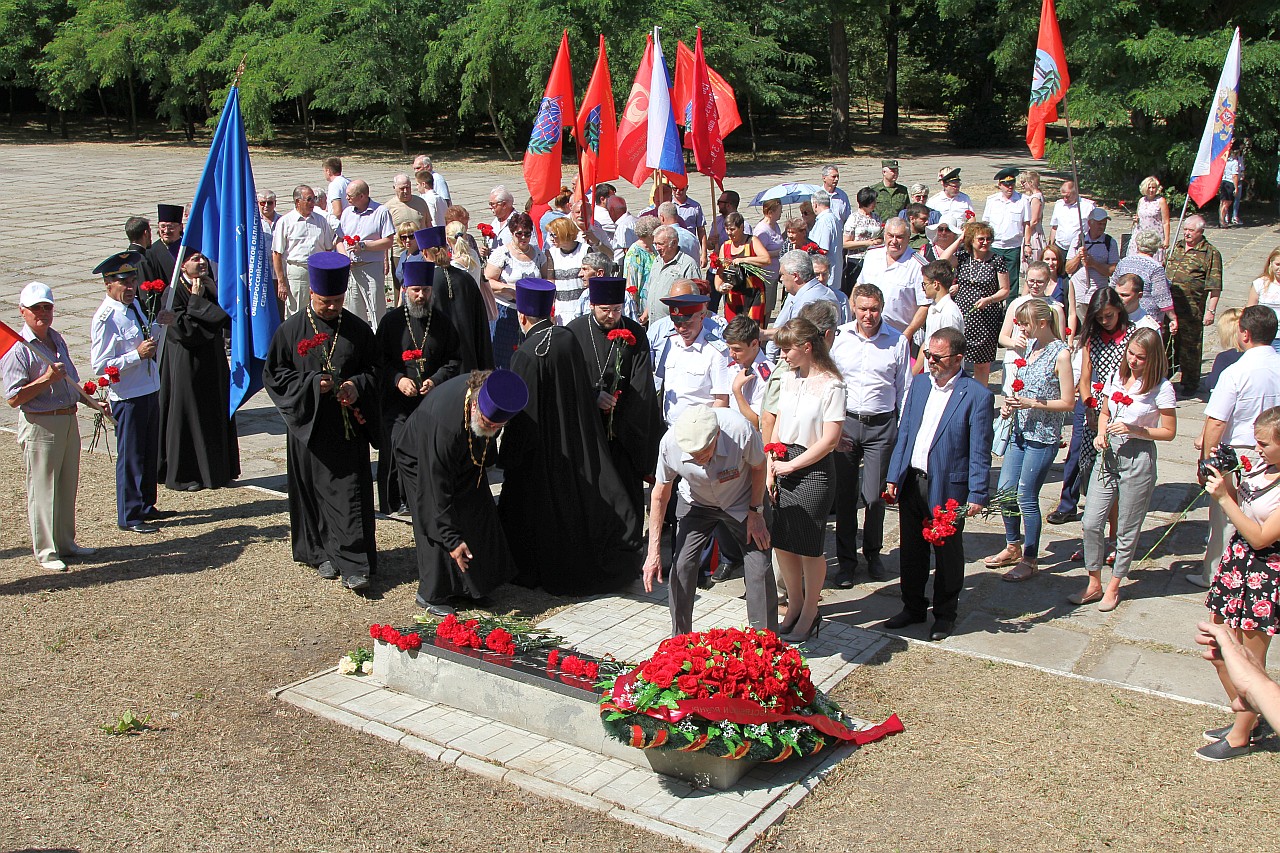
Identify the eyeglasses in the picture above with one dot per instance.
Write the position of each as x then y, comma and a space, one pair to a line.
521, 234
935, 357
308, 198
682, 319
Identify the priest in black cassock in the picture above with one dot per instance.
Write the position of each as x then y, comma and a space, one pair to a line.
198, 447
418, 351
563, 502
627, 398
458, 296
321, 373
162, 255
444, 453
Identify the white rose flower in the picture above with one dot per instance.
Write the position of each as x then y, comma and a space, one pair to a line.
346, 666
367, 667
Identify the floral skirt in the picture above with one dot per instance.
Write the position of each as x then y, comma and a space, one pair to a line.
1245, 592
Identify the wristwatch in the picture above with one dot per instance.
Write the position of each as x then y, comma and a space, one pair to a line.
755, 508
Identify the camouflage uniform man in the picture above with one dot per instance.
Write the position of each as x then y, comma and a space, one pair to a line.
1195, 275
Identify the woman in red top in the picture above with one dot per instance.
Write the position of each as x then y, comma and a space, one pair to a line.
744, 292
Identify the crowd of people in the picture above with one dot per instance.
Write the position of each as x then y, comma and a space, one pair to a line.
756, 378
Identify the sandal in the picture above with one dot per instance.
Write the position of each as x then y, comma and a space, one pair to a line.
1021, 572
1010, 556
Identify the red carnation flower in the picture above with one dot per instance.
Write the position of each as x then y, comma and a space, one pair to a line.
90, 388
1117, 397
775, 449
112, 372
1091, 403
103, 382
632, 289
885, 497
156, 285
350, 241
485, 230
624, 335
969, 214
1019, 363
1127, 400
1246, 464
1018, 385
411, 355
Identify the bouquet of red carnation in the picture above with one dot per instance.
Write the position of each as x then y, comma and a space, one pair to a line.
776, 449
943, 524
619, 340
732, 692
404, 642
97, 389
306, 345
487, 633
1091, 401
486, 231
349, 240
713, 262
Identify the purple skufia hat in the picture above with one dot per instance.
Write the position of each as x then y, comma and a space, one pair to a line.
607, 290
535, 297
328, 272
502, 396
417, 272
430, 238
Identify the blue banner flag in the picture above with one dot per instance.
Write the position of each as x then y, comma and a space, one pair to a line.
224, 225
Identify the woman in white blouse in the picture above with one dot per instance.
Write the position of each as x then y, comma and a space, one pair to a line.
807, 419
1135, 410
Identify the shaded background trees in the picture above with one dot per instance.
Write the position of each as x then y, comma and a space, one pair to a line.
470, 72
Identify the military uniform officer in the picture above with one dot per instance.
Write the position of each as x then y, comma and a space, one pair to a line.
1195, 275
122, 338
692, 364
891, 196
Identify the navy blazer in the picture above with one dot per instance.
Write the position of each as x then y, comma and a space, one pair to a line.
960, 456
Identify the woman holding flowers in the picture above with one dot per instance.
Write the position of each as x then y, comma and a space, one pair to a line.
743, 287
1041, 393
1245, 593
1136, 409
808, 417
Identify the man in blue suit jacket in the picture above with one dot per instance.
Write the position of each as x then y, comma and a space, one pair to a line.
943, 452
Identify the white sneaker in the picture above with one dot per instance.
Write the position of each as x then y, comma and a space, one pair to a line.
54, 565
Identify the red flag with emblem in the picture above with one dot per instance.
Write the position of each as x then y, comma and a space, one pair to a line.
597, 129
8, 338
1049, 79
682, 96
704, 125
555, 112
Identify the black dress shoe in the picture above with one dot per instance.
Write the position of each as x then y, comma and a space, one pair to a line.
1060, 517
327, 571
844, 580
705, 581
875, 568
141, 527
902, 620
440, 610
195, 487
356, 582
727, 572
942, 629
158, 514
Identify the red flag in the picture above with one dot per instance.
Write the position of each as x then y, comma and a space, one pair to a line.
704, 124
8, 338
1049, 79
682, 97
555, 112
597, 129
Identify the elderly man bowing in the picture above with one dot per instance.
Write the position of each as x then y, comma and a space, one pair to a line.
320, 373
719, 460
943, 453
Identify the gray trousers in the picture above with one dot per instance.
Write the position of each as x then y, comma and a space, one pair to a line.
695, 526
1126, 475
367, 294
51, 450
872, 448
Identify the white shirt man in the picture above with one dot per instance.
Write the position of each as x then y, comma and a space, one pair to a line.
896, 270
337, 183
875, 361
297, 236
438, 184
1068, 211
503, 206
367, 234
691, 367
797, 279
949, 200
839, 198
1008, 215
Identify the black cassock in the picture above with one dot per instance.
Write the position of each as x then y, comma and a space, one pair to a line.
157, 263
457, 294
398, 333
450, 498
197, 434
637, 425
563, 503
330, 483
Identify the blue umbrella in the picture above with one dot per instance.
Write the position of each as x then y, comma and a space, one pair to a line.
785, 193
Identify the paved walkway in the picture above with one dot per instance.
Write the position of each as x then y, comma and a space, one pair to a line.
1145, 643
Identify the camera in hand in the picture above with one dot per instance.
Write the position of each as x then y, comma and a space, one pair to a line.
1223, 458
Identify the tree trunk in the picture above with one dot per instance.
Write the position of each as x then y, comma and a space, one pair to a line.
751, 127
493, 118
838, 38
133, 106
889, 118
305, 112
62, 124
106, 116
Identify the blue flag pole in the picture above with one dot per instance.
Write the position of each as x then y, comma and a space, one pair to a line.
225, 226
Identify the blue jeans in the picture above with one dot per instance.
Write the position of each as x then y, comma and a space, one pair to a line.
1026, 466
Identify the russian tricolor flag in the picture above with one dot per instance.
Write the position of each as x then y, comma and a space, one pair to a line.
1211, 159
663, 150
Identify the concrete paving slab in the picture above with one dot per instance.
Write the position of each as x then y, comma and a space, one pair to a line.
1040, 644
1165, 672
